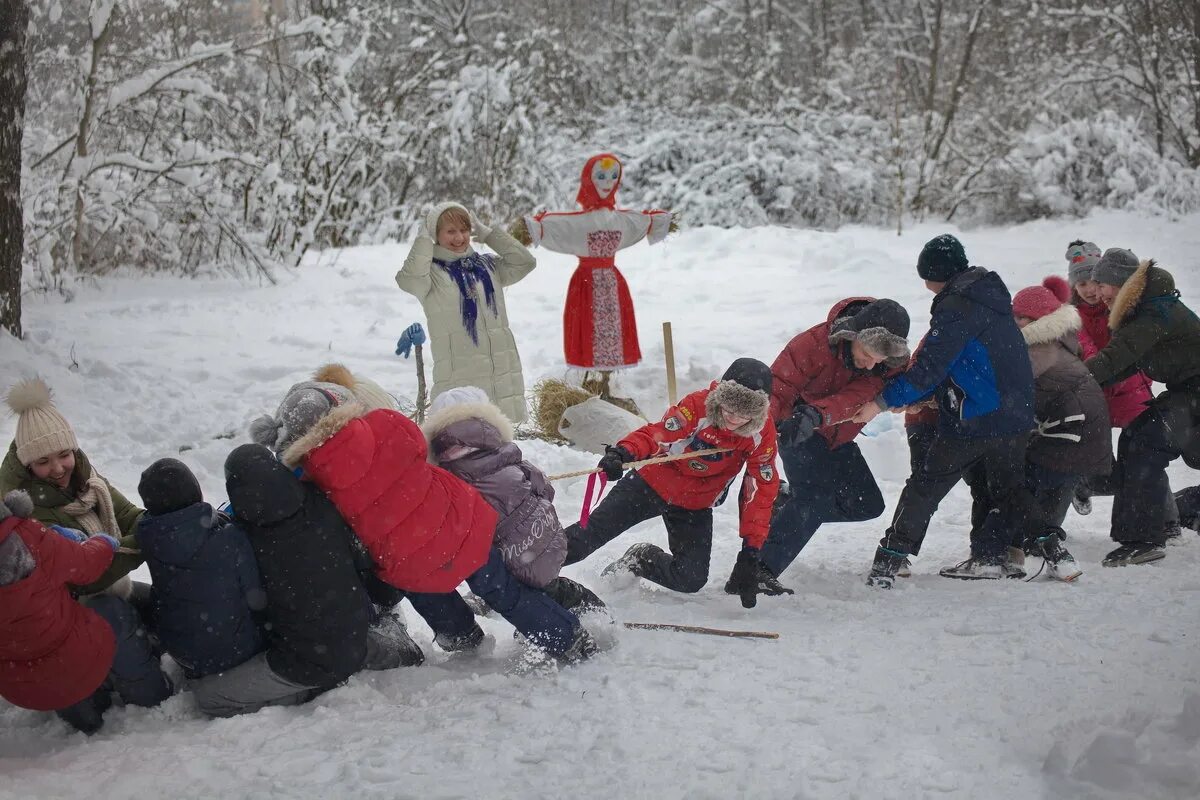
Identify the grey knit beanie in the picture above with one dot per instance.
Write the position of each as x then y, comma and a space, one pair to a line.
1082, 258
1116, 266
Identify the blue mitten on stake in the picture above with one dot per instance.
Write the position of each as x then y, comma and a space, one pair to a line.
413, 334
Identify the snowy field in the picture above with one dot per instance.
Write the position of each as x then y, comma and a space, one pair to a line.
939, 688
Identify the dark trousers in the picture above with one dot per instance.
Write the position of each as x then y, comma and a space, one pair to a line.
531, 611
1002, 461
826, 486
1169, 428
135, 674
1105, 486
632, 500
1050, 490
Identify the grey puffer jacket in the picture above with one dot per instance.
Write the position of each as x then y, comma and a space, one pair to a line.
1074, 434
474, 441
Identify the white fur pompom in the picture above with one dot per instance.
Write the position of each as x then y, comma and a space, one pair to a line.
28, 394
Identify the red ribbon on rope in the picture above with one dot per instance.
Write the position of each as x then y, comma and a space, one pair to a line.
595, 489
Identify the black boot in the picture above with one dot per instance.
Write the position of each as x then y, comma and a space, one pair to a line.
883, 570
573, 596
87, 716
768, 584
1134, 553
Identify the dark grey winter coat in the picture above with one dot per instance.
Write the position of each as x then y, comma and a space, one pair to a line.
474, 441
1074, 434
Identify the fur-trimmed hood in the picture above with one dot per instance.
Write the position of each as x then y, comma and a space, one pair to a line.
740, 400
1054, 326
1148, 281
479, 426
322, 431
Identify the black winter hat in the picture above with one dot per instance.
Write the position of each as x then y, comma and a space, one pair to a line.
942, 258
751, 373
168, 485
882, 313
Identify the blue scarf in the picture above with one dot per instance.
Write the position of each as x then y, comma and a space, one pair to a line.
466, 272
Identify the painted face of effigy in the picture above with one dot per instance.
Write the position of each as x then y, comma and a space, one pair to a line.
605, 174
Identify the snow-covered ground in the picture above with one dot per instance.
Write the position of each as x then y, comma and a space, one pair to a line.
937, 689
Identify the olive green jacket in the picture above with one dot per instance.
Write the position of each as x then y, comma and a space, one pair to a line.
48, 502
1152, 332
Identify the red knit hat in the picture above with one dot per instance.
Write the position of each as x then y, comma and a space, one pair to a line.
1036, 302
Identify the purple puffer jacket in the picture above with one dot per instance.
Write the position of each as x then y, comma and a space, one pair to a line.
474, 441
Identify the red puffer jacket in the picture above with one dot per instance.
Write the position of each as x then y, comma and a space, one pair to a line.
698, 482
425, 529
1127, 399
810, 371
53, 651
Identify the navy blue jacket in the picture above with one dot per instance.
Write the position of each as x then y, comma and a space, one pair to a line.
205, 587
974, 359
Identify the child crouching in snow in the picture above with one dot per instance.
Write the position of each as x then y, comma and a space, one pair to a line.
426, 530
56, 653
471, 438
731, 414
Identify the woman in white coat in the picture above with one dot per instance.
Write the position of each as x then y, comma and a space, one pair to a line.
462, 294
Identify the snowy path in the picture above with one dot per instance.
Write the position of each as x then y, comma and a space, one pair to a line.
937, 689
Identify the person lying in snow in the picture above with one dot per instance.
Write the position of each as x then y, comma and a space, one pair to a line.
820, 380
45, 461
1073, 438
426, 530
471, 438
206, 590
56, 653
317, 613
731, 414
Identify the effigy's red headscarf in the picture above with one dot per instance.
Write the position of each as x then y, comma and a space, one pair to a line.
590, 199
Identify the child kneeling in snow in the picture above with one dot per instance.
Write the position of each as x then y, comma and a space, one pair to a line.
425, 529
57, 654
471, 438
730, 415
206, 589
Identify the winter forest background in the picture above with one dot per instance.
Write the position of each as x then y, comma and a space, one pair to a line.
236, 135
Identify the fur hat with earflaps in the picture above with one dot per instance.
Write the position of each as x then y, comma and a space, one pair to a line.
41, 429
306, 403
745, 391
882, 327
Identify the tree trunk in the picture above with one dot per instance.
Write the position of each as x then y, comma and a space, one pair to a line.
14, 20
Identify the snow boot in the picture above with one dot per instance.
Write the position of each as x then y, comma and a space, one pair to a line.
975, 568
573, 596
768, 584
634, 559
389, 645
1134, 553
583, 647
905, 569
1060, 564
1174, 533
456, 643
1082, 500
884, 568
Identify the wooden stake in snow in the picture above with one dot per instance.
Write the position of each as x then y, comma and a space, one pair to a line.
643, 463
665, 626
420, 385
669, 351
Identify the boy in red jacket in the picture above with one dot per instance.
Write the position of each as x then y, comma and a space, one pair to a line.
731, 414
56, 654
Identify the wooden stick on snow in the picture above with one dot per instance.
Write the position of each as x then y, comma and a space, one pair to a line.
420, 385
644, 463
664, 626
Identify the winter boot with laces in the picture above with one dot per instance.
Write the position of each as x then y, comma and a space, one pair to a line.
1134, 553
1060, 564
634, 560
975, 568
884, 568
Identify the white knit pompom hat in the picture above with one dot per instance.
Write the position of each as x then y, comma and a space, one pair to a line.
41, 429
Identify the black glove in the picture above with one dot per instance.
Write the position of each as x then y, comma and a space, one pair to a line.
614, 461
799, 427
745, 577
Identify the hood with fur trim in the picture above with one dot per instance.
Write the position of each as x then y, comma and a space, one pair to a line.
1148, 281
1054, 326
468, 425
737, 399
322, 431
